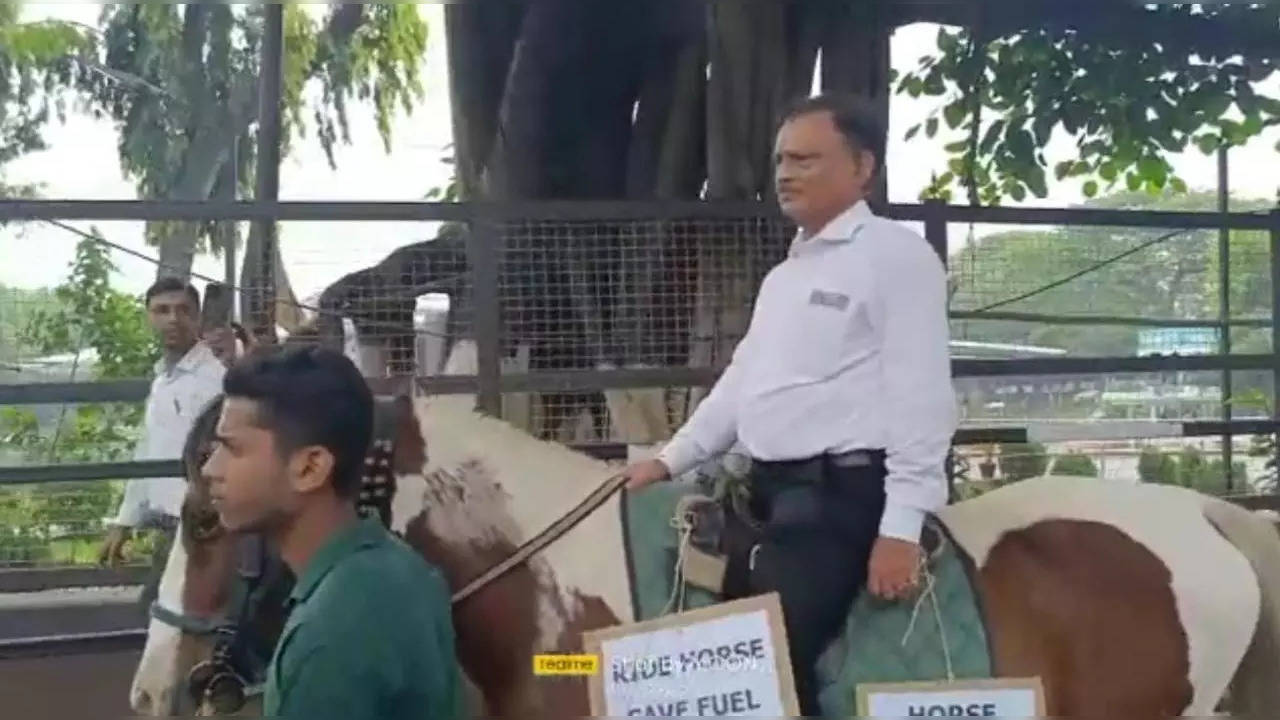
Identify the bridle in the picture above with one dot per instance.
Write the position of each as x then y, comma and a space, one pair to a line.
236, 670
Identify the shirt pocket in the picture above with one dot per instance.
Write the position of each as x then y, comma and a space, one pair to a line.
821, 334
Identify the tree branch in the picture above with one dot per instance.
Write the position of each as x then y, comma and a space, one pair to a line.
1218, 32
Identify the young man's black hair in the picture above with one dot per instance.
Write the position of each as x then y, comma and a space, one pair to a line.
310, 396
855, 118
172, 284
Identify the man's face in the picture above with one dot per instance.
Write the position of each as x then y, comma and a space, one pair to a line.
252, 484
173, 318
248, 478
817, 175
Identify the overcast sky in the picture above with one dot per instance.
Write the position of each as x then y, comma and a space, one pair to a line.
82, 163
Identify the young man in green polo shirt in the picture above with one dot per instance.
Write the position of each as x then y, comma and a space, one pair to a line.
369, 633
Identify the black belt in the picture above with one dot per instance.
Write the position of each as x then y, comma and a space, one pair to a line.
852, 458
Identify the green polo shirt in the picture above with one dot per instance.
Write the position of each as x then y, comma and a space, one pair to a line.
369, 635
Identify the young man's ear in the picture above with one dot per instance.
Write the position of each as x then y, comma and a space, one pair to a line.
310, 468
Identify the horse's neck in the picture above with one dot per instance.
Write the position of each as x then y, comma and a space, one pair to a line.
534, 474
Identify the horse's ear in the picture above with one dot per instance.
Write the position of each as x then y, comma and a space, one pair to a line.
410, 446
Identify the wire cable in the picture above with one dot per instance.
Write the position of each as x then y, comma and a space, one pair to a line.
1096, 266
376, 324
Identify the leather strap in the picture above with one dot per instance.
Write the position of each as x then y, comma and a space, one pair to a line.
553, 532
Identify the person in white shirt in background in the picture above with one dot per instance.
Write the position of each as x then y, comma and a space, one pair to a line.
187, 377
840, 391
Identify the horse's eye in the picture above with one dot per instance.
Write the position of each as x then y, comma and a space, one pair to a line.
205, 526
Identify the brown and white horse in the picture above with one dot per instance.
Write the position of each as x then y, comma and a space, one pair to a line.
1133, 600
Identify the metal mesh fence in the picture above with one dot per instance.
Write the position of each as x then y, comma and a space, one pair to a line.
608, 294
664, 292
1135, 273
572, 295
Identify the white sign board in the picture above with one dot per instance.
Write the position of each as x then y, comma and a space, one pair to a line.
725, 660
1000, 697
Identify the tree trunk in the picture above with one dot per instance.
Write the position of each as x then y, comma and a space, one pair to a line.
855, 59
210, 148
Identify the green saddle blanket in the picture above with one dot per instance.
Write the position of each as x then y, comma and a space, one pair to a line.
874, 646
880, 642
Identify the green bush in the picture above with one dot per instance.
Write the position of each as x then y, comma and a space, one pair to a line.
1188, 468
1075, 464
1019, 461
61, 523
1156, 467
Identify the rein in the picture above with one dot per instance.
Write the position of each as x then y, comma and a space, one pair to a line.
550, 534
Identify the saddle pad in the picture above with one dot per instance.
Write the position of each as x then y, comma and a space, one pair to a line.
652, 549
871, 647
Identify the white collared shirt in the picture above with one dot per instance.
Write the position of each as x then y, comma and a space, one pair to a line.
177, 397
847, 350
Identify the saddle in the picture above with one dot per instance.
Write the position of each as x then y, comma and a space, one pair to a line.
722, 533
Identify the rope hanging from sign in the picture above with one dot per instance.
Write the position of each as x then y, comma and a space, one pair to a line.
929, 594
682, 521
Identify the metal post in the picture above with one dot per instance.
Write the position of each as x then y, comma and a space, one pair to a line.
230, 191
482, 251
268, 176
935, 231
935, 227
1275, 325
1224, 311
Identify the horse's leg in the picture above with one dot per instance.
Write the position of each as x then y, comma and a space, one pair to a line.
1104, 637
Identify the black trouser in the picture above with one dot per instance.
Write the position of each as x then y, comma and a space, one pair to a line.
819, 523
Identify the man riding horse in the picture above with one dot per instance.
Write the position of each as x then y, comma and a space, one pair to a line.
840, 391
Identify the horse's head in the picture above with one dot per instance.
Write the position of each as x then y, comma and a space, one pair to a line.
219, 608
221, 602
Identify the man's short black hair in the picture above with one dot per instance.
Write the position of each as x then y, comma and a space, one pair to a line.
855, 118
172, 284
310, 396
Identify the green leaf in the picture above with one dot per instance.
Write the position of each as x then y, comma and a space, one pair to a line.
1133, 181
1090, 188
1151, 168
1107, 170
1271, 106
955, 113
1018, 192
1216, 105
933, 85
1177, 185
990, 138
931, 127
1042, 127
1207, 143
1021, 144
957, 146
911, 132
1036, 181
1062, 169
